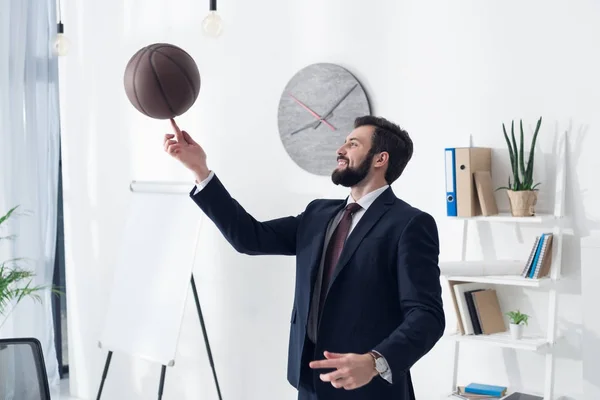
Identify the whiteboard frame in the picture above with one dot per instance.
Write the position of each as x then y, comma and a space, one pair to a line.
166, 187
161, 186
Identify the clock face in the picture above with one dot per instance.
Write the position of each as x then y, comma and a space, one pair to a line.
316, 113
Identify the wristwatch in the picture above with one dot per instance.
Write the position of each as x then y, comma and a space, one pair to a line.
380, 365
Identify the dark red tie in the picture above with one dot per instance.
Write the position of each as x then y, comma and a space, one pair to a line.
334, 248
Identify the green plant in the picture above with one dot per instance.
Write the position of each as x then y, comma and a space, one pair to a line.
15, 281
516, 317
522, 172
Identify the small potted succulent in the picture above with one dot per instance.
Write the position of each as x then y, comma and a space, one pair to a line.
517, 321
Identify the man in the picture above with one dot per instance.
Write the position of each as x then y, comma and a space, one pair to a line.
367, 302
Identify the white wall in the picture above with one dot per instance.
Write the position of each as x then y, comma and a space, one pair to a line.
590, 274
443, 70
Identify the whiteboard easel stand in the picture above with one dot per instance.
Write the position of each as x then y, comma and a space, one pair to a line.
167, 188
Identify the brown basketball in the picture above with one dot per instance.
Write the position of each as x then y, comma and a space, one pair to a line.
162, 81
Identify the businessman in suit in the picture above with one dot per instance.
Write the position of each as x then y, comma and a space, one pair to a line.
367, 301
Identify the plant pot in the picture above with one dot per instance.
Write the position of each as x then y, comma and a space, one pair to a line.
522, 202
516, 331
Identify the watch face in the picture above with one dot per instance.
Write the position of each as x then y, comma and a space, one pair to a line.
380, 365
316, 112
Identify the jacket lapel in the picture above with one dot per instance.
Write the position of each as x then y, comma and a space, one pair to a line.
323, 219
373, 214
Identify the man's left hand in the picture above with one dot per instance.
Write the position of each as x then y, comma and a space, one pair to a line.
352, 370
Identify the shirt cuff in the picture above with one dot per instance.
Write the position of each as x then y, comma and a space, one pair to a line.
202, 185
387, 375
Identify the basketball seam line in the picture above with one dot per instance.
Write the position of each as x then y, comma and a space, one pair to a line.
135, 69
160, 86
182, 70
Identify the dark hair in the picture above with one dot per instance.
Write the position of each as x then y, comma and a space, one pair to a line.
392, 139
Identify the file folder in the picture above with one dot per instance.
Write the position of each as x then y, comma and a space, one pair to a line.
469, 160
461, 163
451, 209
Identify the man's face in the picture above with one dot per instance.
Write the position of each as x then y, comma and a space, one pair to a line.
354, 159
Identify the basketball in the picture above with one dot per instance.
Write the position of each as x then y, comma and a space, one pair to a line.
162, 81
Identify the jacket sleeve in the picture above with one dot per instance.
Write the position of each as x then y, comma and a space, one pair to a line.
242, 230
420, 295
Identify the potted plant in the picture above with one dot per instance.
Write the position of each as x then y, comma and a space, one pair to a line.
522, 192
15, 281
517, 321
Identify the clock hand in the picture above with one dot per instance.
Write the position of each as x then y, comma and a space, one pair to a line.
303, 128
328, 113
314, 114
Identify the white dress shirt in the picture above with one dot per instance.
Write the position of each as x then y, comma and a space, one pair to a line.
365, 202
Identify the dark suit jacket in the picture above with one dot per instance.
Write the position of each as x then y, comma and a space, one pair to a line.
385, 294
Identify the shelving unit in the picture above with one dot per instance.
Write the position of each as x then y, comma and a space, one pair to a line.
506, 217
544, 343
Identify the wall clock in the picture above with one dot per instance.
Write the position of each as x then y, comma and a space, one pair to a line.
316, 112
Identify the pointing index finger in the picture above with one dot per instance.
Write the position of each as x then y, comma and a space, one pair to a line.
178, 134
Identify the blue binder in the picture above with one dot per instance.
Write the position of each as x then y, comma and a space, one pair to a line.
450, 157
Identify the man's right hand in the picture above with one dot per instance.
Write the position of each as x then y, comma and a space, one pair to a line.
182, 147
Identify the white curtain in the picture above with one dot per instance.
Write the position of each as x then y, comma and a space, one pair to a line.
29, 154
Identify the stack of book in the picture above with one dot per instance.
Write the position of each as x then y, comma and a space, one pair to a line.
479, 391
478, 309
540, 259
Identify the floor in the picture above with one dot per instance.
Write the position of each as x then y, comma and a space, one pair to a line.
64, 390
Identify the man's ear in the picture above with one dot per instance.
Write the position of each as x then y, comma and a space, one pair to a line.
381, 159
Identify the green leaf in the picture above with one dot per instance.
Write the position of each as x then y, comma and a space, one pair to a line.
510, 151
7, 215
515, 166
522, 155
516, 317
532, 151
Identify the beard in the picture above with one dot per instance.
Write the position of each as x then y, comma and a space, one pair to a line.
349, 176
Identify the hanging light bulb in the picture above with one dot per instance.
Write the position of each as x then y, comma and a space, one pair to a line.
61, 43
212, 25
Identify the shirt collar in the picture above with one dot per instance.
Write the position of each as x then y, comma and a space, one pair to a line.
368, 199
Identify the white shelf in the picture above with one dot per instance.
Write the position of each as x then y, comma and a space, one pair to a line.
533, 343
507, 217
451, 397
482, 268
512, 280
507, 265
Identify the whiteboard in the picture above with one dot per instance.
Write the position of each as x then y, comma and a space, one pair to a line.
152, 275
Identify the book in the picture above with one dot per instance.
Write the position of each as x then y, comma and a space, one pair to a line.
540, 258
461, 394
488, 312
481, 388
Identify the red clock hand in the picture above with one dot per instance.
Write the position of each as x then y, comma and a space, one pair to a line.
317, 116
